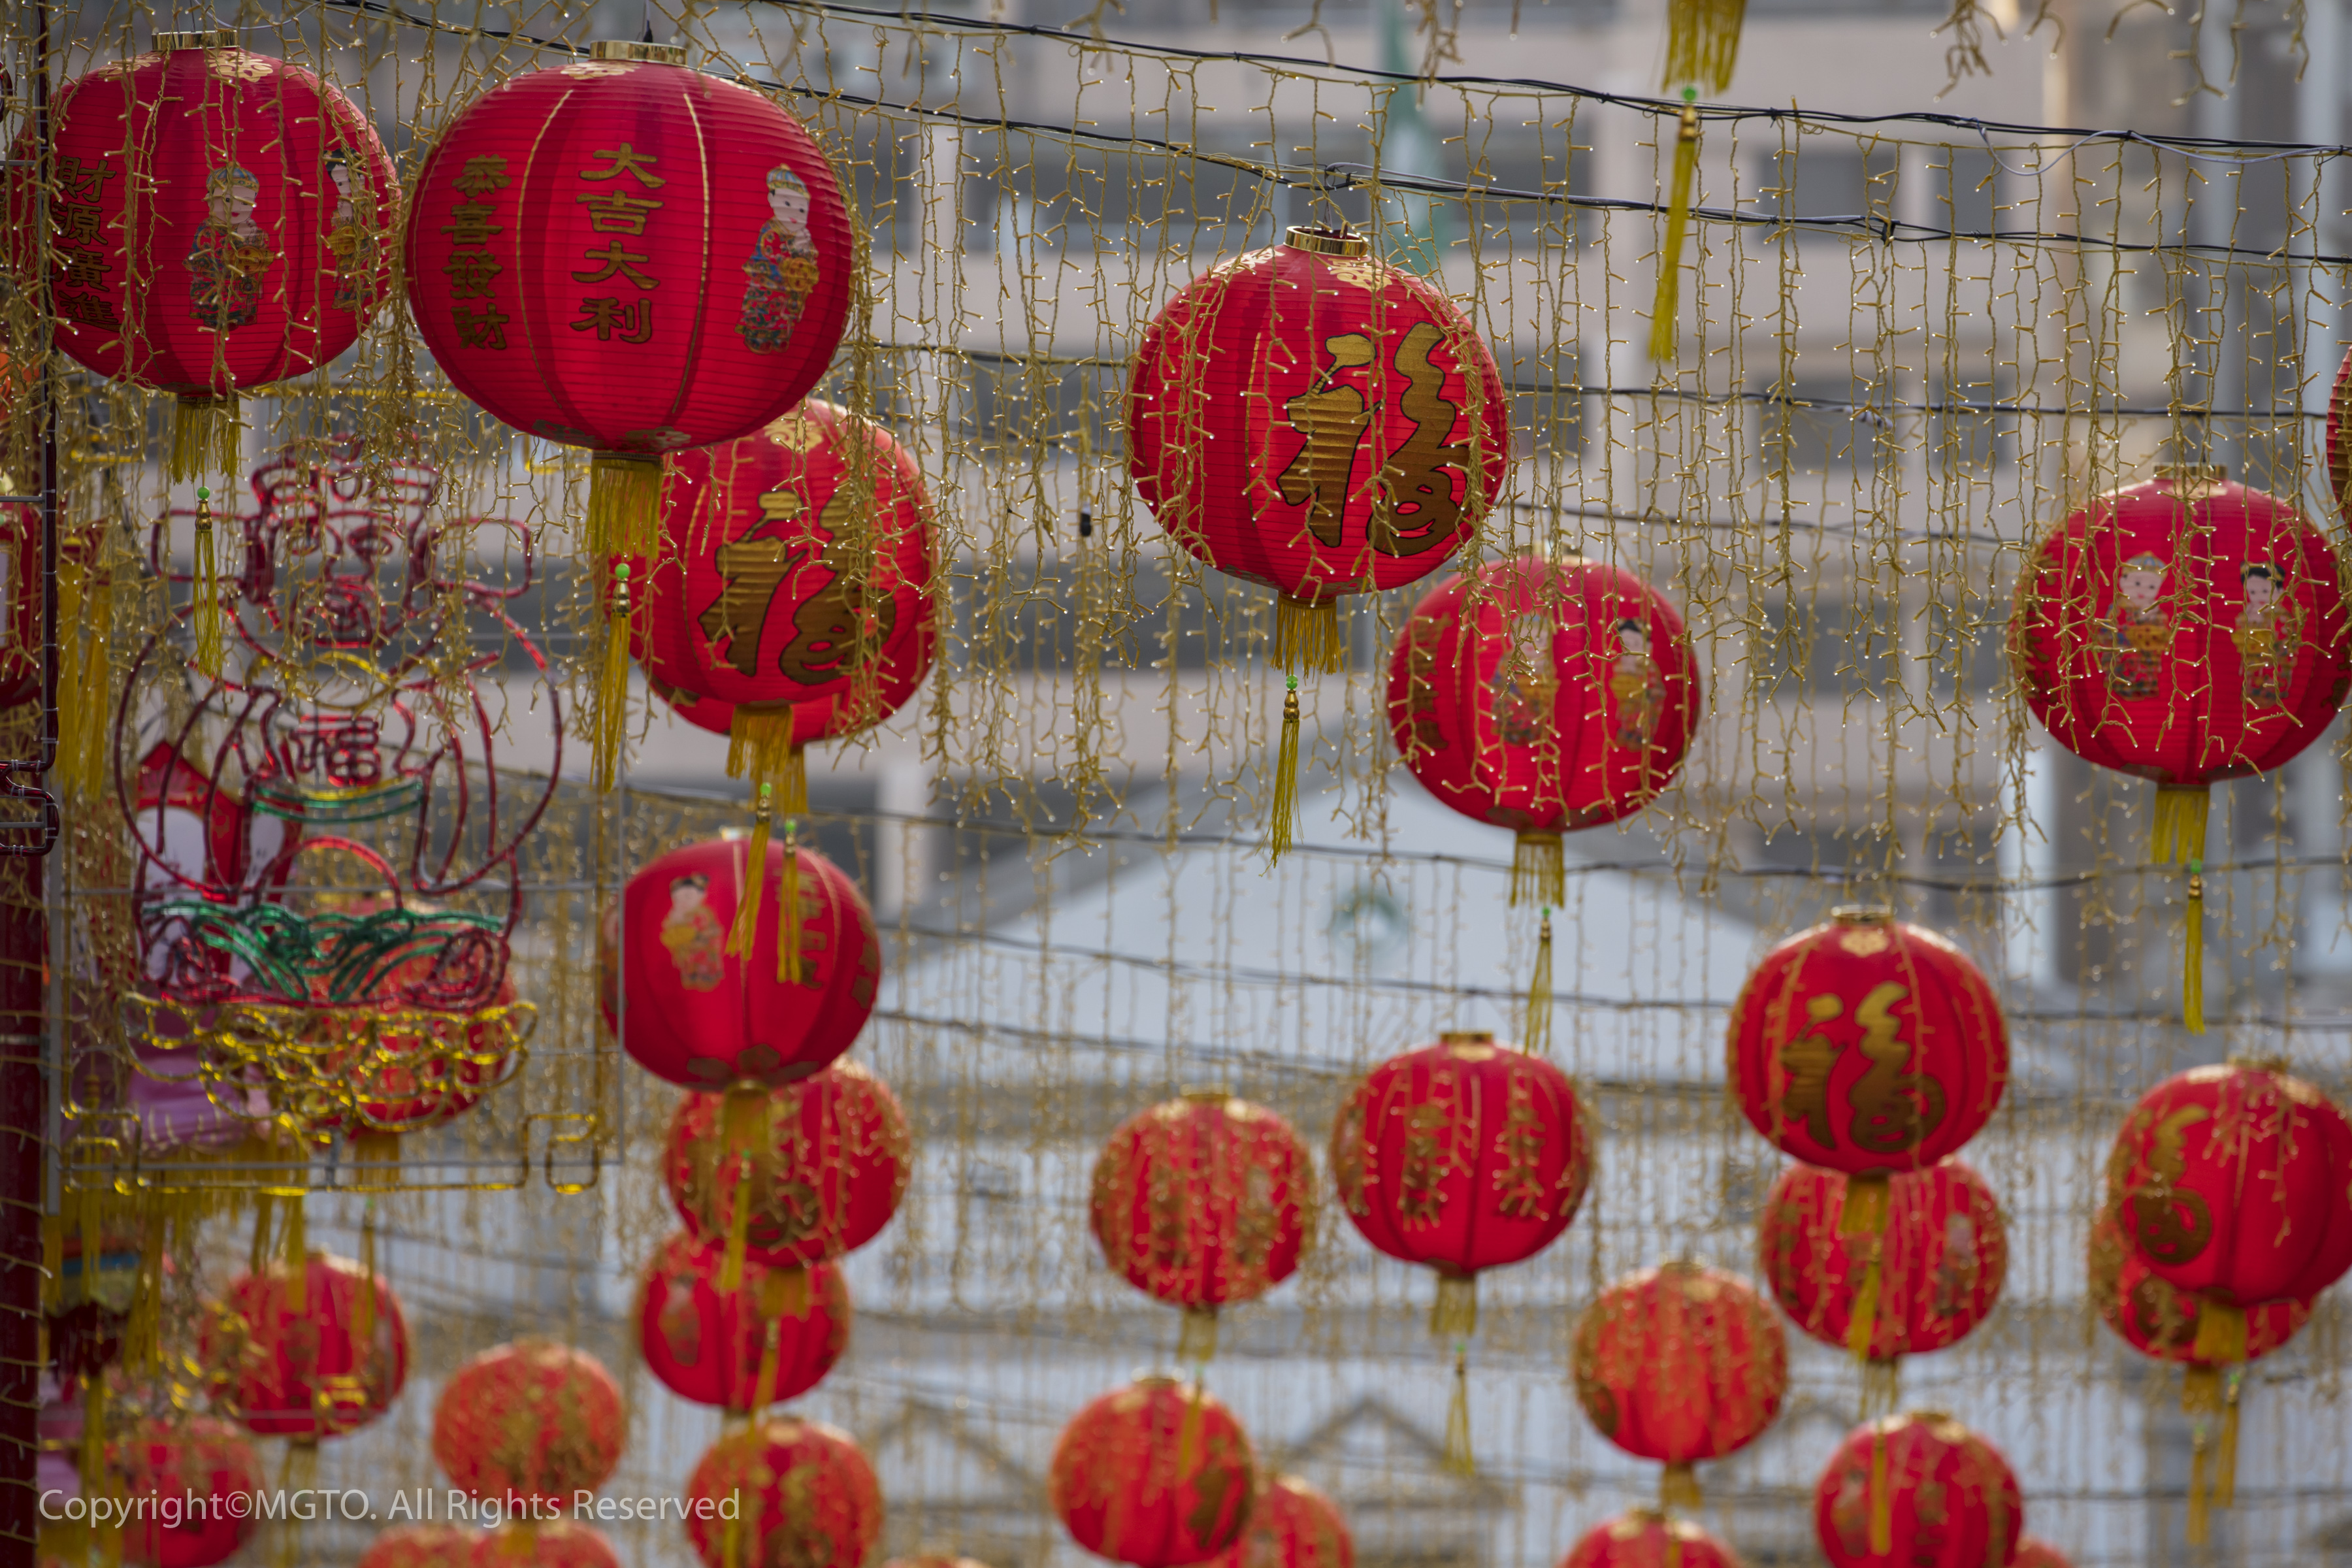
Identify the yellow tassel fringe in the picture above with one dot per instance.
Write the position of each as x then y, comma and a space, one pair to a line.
1458, 1459
1197, 1340
1678, 1489
1285, 780
1537, 1032
790, 969
1454, 1314
2179, 839
85, 616
204, 605
1307, 635
1538, 869
1703, 42
206, 436
746, 929
1666, 305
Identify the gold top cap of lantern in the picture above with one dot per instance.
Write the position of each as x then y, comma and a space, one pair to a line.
1319, 241
200, 38
629, 50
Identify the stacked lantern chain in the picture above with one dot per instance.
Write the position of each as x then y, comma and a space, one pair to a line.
314, 966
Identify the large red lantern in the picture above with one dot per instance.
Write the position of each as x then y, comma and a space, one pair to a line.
1923, 1283
630, 256
532, 1421
199, 1481
1543, 696
804, 1495
2184, 630
1154, 1474
1291, 1525
421, 1546
1314, 420
772, 1337
1680, 1365
1202, 1202
706, 1011
1918, 1490
796, 569
796, 1177
1867, 1047
218, 219
1646, 1538
305, 1352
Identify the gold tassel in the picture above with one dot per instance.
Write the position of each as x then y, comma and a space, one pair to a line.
2225, 1453
744, 1124
204, 605
2201, 1400
760, 740
1862, 1326
763, 1382
85, 616
790, 969
1458, 1459
1307, 635
1538, 869
1703, 41
205, 435
746, 929
1882, 1386
785, 1293
297, 1270
142, 1338
792, 781
623, 515
1188, 1430
258, 1258
1667, 303
2179, 838
2220, 1333
609, 725
1285, 779
1678, 1489
739, 1229
1197, 1340
1881, 1498
1538, 1029
364, 1307
93, 1426
1454, 1314
1866, 1205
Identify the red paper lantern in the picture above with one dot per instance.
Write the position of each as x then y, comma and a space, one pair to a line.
1918, 1490
306, 1356
2184, 630
704, 1013
218, 219
186, 1474
2033, 1552
774, 1336
1154, 1474
806, 1499
421, 1546
1867, 1047
2161, 1321
1291, 1525
1923, 1284
1645, 1538
554, 1542
1543, 697
823, 1163
1680, 1365
1464, 1155
530, 1423
1202, 1202
796, 569
1313, 420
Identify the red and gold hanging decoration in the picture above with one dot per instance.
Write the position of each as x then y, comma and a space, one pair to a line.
805, 1495
191, 1489
2184, 630
218, 219
533, 1421
1646, 1538
1680, 1365
1291, 1525
2231, 1187
630, 256
1155, 1475
772, 1338
1462, 1156
305, 1351
1941, 1261
1917, 1490
1202, 1202
1544, 697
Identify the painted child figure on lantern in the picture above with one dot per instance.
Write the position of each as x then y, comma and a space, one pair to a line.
783, 265
2268, 635
230, 253
351, 239
1640, 690
2133, 640
691, 933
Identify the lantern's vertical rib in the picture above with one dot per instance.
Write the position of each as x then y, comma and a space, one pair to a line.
702, 171
542, 364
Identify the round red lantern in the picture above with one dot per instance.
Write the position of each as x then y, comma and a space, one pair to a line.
1918, 1490
421, 1546
1202, 1202
1680, 1365
795, 1176
1543, 696
1464, 1155
1867, 1047
772, 1337
630, 256
533, 1421
796, 569
1922, 1284
186, 1473
1313, 420
707, 1010
1154, 1474
218, 219
306, 1354
805, 1497
1291, 1525
551, 1542
2184, 630
1645, 1538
